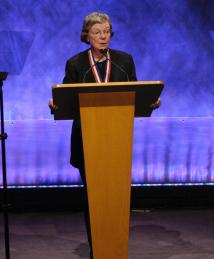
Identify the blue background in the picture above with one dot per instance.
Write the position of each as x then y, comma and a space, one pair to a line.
171, 41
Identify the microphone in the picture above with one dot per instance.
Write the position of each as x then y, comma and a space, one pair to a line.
104, 52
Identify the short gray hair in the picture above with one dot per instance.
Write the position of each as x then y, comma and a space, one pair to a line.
92, 19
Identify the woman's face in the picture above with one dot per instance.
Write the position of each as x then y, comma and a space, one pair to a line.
99, 36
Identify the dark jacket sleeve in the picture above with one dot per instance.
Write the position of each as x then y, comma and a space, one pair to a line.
76, 146
70, 73
132, 73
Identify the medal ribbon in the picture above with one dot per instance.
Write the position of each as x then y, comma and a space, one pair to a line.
95, 71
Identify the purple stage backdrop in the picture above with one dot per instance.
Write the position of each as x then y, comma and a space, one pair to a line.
166, 151
171, 41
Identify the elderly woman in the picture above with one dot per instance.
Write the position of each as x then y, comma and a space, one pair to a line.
96, 64
92, 65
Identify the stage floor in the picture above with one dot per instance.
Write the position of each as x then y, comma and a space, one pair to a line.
174, 234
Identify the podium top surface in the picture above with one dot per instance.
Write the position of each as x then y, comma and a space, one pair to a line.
66, 96
129, 83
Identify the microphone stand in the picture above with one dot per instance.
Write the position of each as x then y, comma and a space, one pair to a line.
3, 137
104, 52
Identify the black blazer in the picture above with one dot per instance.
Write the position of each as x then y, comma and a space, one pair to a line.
122, 68
78, 70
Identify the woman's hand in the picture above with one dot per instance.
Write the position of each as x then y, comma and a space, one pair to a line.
156, 104
52, 106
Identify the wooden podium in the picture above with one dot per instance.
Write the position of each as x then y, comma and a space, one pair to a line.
107, 113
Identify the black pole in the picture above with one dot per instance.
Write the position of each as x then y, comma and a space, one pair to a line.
3, 137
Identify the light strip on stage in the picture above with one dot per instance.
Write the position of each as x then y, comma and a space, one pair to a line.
79, 186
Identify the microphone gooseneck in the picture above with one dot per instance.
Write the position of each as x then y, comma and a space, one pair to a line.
90, 68
104, 52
